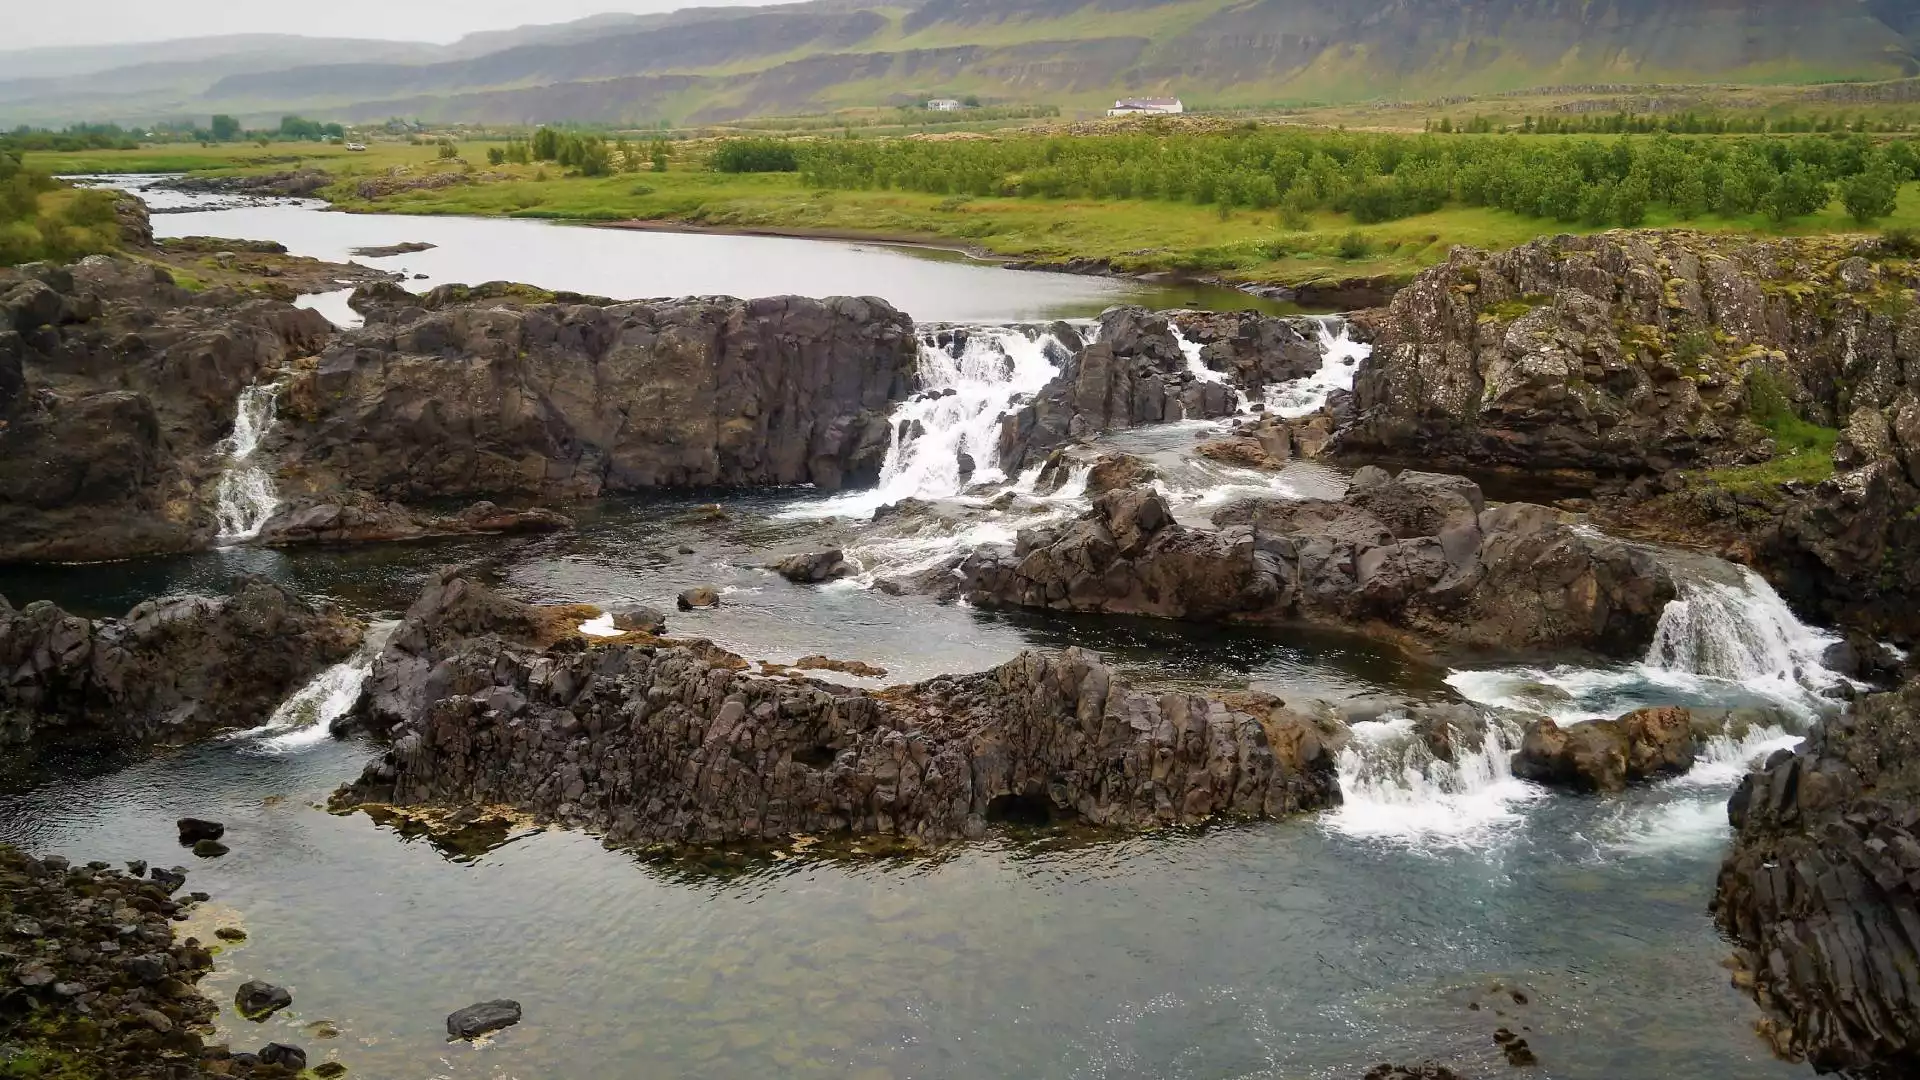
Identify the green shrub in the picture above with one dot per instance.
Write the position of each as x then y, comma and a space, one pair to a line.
1354, 245
755, 156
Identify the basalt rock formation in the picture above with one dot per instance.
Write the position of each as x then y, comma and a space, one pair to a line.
652, 741
352, 518
171, 670
1133, 374
116, 385
1822, 891
1255, 351
526, 394
1639, 356
1420, 558
1646, 744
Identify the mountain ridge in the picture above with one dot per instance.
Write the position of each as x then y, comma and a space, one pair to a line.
714, 64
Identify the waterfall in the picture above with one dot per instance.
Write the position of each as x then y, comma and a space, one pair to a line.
307, 716
245, 495
969, 377
1341, 357
1395, 786
1742, 632
1198, 368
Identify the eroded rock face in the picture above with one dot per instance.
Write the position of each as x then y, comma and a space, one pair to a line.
1822, 890
678, 743
115, 387
450, 395
170, 671
1418, 557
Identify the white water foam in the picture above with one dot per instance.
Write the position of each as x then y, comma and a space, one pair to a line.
245, 497
1395, 787
965, 389
1341, 358
1198, 368
306, 718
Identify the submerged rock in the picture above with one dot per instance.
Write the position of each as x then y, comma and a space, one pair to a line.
688, 747
194, 830
170, 671
1418, 557
477, 1020
1822, 890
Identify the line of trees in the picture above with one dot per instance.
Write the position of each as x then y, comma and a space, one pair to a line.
1684, 123
1377, 177
588, 154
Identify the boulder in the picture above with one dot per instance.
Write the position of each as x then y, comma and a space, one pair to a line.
291, 1058
702, 596
813, 568
688, 746
194, 830
258, 1000
638, 618
477, 1020
1607, 755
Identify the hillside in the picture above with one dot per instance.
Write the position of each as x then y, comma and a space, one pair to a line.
716, 64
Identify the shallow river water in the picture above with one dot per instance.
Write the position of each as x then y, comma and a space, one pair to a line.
1310, 948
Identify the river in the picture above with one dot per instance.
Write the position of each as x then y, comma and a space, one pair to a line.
1442, 902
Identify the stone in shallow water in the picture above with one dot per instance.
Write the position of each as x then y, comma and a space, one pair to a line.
476, 1020
194, 830
258, 1000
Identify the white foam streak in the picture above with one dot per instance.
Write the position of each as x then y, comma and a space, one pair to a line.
1741, 632
245, 497
1341, 357
1198, 368
306, 718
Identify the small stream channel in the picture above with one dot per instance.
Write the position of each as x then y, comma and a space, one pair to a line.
1442, 902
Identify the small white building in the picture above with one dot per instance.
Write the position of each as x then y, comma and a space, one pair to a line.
1149, 106
945, 104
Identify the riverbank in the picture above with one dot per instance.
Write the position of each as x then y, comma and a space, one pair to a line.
1239, 247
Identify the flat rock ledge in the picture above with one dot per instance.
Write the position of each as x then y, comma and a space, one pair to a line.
663, 742
1822, 891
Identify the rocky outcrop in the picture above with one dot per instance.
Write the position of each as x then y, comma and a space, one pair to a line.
1640, 355
1133, 374
1270, 442
1647, 744
170, 671
1252, 350
357, 519
678, 743
1420, 558
446, 395
116, 385
292, 184
1822, 891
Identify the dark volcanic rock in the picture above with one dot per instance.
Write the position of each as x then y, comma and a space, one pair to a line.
171, 670
677, 743
292, 184
477, 1020
115, 387
1254, 350
1414, 557
291, 1058
815, 567
194, 830
1822, 890
351, 518
258, 1000
446, 395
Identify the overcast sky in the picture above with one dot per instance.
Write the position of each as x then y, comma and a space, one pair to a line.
33, 23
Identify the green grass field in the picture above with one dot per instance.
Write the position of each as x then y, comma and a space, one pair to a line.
1135, 235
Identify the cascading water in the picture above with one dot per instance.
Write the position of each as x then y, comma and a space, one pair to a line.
969, 377
1394, 785
1198, 368
1340, 361
1742, 632
245, 497
307, 716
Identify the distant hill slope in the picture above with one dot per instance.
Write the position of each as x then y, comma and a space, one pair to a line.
723, 63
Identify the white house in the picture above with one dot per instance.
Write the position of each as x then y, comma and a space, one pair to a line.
945, 104
1151, 106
